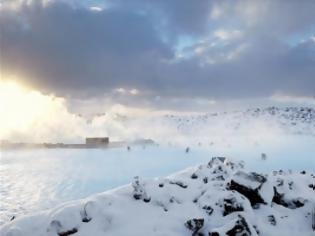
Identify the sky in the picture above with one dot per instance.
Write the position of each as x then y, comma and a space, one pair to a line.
164, 54
91, 57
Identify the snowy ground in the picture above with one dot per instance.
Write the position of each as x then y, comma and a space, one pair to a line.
218, 198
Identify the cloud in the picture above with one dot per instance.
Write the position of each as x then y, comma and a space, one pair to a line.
240, 50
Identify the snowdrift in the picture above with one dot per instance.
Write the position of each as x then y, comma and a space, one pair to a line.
215, 199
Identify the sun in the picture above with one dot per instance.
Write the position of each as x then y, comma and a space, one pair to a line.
21, 107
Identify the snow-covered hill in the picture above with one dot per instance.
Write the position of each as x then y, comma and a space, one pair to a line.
219, 198
290, 120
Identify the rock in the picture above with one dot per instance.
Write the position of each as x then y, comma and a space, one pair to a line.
139, 190
256, 229
251, 194
179, 183
249, 186
280, 182
291, 185
231, 205
312, 186
194, 176
85, 217
195, 225
216, 161
220, 178
240, 228
208, 209
214, 234
57, 227
272, 219
68, 232
279, 199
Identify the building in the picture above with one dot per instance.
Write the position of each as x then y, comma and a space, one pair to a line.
97, 141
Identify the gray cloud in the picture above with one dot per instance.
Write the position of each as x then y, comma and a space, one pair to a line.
71, 50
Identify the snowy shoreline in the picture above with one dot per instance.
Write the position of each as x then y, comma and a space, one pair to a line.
219, 198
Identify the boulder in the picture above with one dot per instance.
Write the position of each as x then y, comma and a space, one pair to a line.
195, 225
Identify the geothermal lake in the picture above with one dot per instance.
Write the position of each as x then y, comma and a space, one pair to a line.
32, 180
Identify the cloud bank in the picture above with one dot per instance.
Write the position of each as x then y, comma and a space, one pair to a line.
163, 51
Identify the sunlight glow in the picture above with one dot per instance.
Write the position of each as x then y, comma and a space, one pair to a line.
20, 107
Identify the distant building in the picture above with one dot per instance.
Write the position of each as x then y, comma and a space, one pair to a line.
97, 141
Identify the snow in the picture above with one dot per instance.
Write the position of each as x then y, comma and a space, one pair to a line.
172, 205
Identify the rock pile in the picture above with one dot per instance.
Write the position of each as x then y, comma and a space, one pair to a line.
216, 199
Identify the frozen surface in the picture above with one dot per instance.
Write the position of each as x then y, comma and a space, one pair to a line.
217, 198
40, 179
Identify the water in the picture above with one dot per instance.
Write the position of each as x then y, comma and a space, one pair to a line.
32, 180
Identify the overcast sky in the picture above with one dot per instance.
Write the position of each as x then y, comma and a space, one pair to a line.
163, 53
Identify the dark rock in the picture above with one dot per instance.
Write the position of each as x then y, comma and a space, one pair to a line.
84, 216
205, 180
195, 225
56, 225
220, 177
256, 177
256, 229
161, 185
86, 220
214, 234
312, 186
139, 190
240, 228
147, 199
200, 195
208, 209
279, 199
68, 232
303, 172
231, 205
174, 199
290, 185
280, 182
194, 176
179, 183
12, 218
217, 170
216, 160
251, 194
137, 196
272, 219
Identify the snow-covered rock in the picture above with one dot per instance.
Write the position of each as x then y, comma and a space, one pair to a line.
289, 120
215, 199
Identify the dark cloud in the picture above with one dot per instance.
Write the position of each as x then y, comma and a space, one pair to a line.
72, 50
